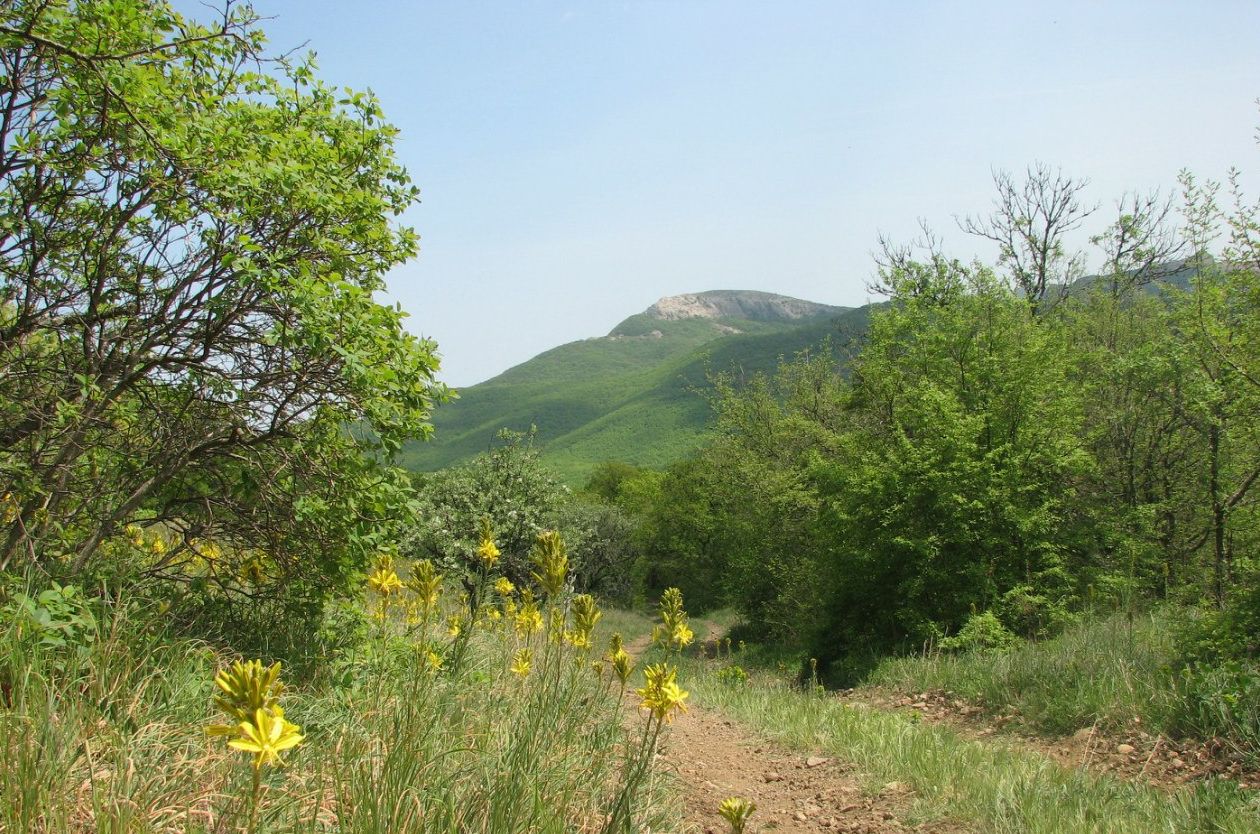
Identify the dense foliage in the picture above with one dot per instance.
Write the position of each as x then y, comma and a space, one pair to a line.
192, 234
1010, 448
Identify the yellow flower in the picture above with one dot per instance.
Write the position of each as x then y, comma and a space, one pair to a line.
11, 508
504, 587
430, 661
619, 659
661, 693
552, 560
267, 736
585, 615
384, 580
528, 620
521, 662
248, 687
426, 583
673, 632
488, 553
681, 637
133, 532
736, 811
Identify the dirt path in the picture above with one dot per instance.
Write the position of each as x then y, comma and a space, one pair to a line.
715, 758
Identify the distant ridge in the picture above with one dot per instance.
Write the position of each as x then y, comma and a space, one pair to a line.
737, 304
631, 395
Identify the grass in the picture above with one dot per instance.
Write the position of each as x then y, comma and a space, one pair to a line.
989, 786
107, 735
1106, 671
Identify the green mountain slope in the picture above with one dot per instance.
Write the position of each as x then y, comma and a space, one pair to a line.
631, 395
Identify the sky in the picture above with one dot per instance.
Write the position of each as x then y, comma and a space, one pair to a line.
579, 160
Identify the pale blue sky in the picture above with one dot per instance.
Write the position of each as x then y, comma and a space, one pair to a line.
579, 160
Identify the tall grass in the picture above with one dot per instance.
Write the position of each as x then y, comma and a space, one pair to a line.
111, 739
989, 786
1107, 672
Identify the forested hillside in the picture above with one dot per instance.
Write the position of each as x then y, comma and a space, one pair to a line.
636, 394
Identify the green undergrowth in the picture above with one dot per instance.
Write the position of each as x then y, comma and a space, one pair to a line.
1106, 672
986, 785
107, 733
1110, 672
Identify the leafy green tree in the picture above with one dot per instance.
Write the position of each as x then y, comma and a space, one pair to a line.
509, 487
192, 237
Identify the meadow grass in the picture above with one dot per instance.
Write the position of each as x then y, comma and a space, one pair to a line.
988, 785
1106, 671
110, 737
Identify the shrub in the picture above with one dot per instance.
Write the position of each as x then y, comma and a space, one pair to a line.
982, 632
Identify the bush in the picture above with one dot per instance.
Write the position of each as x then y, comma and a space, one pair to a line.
982, 632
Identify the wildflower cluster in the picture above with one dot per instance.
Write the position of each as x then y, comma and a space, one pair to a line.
552, 561
736, 811
521, 662
250, 693
487, 551
425, 585
528, 618
661, 694
585, 615
619, 659
673, 632
152, 541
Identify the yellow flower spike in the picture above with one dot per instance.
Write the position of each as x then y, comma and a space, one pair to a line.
248, 687
504, 587
454, 625
585, 615
673, 632
552, 561
528, 620
267, 736
430, 661
11, 508
621, 663
661, 694
487, 551
384, 579
682, 637
521, 662
426, 583
736, 811
133, 532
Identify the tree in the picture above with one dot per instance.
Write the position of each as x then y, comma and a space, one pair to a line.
509, 487
1030, 223
190, 238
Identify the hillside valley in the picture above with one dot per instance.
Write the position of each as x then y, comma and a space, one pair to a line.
636, 394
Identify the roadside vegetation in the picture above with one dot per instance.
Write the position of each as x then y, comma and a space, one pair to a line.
985, 785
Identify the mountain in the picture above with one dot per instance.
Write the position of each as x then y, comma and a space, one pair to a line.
632, 395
